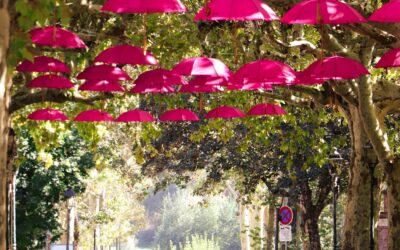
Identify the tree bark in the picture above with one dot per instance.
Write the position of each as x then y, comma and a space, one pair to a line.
5, 87
393, 182
356, 226
270, 225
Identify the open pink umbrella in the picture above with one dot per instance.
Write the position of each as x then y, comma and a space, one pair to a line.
135, 116
335, 68
243, 10
102, 86
103, 72
93, 116
179, 115
157, 81
202, 66
126, 54
143, 6
43, 64
322, 12
303, 78
209, 80
225, 112
266, 72
56, 37
388, 13
250, 87
201, 88
266, 109
48, 115
390, 59
50, 82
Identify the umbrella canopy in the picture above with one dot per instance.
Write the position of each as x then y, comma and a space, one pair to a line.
56, 37
303, 78
225, 112
157, 81
50, 82
48, 115
126, 54
102, 86
388, 13
266, 109
209, 80
335, 68
236, 10
143, 6
389, 59
179, 115
322, 12
135, 116
201, 88
264, 71
104, 72
202, 66
43, 64
93, 116
250, 86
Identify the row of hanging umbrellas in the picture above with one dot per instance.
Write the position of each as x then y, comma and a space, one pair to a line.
210, 75
223, 112
305, 12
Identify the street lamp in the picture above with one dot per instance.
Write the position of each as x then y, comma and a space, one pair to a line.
69, 196
333, 158
368, 147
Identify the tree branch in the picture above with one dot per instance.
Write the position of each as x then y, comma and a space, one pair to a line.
21, 100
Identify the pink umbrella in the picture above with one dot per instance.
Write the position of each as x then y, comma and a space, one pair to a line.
143, 6
264, 71
93, 116
103, 72
250, 86
388, 13
135, 116
126, 54
303, 78
102, 86
225, 112
43, 64
202, 66
266, 109
157, 81
322, 12
335, 68
236, 10
48, 115
389, 59
201, 88
50, 82
179, 115
56, 37
209, 80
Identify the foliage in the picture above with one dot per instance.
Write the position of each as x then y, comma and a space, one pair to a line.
40, 189
182, 216
119, 213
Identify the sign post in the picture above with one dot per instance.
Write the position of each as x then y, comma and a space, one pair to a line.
285, 229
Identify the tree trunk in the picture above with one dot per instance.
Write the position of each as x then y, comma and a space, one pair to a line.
356, 226
4, 117
310, 231
393, 193
270, 226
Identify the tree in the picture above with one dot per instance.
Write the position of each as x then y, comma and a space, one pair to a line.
365, 102
40, 187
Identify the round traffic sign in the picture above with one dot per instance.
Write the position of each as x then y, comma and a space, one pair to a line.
285, 215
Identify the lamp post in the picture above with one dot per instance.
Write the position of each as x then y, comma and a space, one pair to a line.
371, 166
333, 158
69, 196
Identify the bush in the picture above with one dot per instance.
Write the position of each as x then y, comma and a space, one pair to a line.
182, 218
